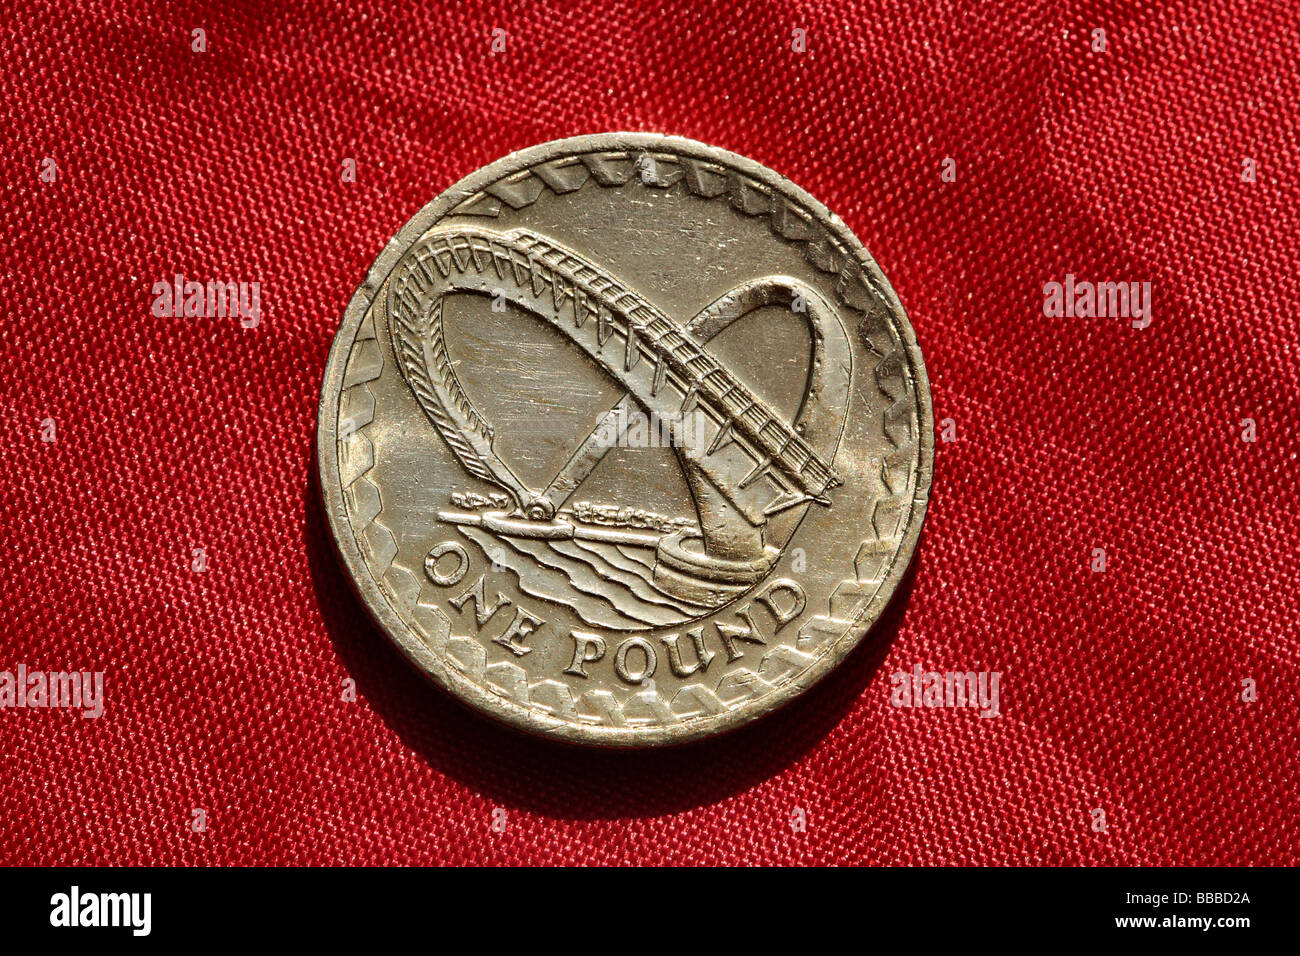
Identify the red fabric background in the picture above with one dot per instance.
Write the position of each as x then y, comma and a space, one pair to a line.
1121, 690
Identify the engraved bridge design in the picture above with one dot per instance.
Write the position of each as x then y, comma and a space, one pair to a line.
752, 477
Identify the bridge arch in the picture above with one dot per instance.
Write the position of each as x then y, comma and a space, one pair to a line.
753, 480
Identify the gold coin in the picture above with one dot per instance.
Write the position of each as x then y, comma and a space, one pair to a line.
625, 440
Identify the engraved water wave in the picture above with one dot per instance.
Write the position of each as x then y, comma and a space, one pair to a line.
606, 585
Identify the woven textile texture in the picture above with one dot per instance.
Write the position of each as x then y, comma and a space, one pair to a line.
1161, 692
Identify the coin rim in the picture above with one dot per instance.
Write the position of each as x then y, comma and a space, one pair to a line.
403, 635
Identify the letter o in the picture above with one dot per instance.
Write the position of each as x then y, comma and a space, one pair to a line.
620, 660
431, 563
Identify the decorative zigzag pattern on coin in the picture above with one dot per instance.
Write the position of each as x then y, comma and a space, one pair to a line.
357, 458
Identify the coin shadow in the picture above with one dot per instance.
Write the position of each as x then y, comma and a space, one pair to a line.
565, 781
